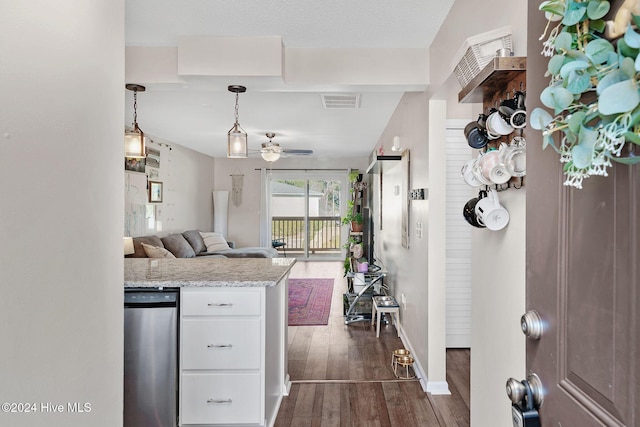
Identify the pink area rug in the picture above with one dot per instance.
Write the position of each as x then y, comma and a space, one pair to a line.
309, 301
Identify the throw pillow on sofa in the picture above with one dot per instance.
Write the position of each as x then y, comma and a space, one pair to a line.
156, 252
214, 241
195, 240
178, 246
148, 240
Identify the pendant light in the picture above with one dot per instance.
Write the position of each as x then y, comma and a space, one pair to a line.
237, 147
134, 139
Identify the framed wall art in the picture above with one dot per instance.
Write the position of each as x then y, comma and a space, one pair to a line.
155, 192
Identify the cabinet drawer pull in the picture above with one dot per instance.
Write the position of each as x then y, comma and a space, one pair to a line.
220, 304
219, 345
219, 401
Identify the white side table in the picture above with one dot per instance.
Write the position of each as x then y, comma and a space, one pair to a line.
385, 304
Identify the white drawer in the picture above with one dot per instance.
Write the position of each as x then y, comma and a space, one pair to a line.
221, 343
221, 302
221, 399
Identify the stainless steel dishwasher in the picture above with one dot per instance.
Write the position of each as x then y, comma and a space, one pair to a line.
151, 357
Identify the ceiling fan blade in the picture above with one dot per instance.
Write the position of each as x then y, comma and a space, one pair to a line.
297, 152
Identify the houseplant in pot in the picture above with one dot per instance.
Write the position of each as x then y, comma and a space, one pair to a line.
354, 219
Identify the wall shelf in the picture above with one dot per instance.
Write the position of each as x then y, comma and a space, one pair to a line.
492, 78
383, 163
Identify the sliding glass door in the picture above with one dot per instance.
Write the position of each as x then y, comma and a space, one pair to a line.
304, 213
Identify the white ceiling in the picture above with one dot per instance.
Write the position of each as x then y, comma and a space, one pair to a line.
197, 111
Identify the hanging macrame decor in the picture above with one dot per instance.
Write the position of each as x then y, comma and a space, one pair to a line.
237, 181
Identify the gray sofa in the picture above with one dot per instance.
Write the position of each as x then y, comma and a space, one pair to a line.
190, 244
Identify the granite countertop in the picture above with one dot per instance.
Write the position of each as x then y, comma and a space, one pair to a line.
205, 272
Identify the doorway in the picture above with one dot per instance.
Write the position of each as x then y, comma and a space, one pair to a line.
303, 213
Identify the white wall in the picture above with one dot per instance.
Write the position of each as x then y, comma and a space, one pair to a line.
244, 220
413, 271
187, 178
61, 221
498, 258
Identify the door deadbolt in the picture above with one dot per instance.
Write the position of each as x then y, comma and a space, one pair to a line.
531, 324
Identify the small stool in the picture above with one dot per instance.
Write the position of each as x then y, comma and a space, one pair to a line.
385, 304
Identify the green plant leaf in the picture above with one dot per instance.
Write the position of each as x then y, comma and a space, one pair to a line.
632, 137
636, 19
554, 7
556, 97
626, 160
625, 50
575, 121
596, 9
628, 67
540, 118
613, 77
572, 66
577, 79
583, 152
598, 25
619, 98
598, 50
555, 64
631, 37
574, 13
577, 55
581, 156
563, 41
548, 140
578, 82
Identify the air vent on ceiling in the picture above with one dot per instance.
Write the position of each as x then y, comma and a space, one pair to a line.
340, 101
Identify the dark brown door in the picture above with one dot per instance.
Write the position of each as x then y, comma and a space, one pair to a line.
583, 252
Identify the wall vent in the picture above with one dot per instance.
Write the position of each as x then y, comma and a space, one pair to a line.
332, 101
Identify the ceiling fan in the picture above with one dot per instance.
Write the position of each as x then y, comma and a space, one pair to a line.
271, 151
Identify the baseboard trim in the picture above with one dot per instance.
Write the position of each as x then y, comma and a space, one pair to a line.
433, 387
287, 386
438, 387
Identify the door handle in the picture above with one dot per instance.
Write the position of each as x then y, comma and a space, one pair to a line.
526, 397
517, 390
532, 324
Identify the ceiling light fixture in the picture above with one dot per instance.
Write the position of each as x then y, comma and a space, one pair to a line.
134, 139
237, 147
270, 150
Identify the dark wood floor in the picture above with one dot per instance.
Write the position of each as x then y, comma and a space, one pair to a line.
342, 374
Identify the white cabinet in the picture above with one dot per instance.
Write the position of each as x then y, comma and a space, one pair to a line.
232, 340
232, 343
225, 398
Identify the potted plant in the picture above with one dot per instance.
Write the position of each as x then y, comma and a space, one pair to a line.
354, 219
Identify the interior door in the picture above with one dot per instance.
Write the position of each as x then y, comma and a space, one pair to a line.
582, 278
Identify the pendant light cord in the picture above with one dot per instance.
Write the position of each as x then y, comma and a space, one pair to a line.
135, 109
236, 110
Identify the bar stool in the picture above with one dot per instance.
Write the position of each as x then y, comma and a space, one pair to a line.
385, 304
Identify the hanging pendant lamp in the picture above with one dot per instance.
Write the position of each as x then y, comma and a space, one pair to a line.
237, 147
134, 139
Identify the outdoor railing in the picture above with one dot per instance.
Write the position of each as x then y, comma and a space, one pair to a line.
324, 233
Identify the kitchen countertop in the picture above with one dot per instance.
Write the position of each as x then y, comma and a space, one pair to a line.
205, 272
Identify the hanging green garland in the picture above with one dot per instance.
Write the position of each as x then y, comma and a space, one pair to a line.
594, 88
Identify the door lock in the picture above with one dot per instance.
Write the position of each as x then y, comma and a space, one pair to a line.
532, 325
526, 397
